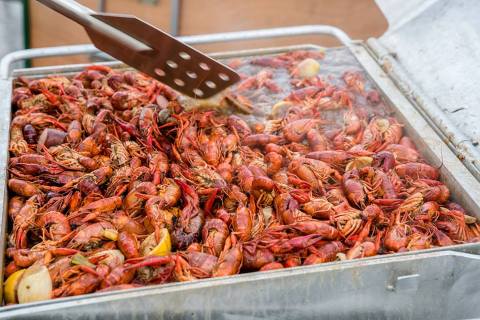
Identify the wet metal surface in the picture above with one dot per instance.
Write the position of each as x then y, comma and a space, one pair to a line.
436, 44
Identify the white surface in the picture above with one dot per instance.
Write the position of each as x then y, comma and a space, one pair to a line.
438, 44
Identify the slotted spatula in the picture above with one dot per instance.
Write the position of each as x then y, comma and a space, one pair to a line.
150, 50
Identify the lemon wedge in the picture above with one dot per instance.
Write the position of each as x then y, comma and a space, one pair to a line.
150, 246
10, 286
110, 234
359, 163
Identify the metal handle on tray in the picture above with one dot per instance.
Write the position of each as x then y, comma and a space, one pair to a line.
9, 59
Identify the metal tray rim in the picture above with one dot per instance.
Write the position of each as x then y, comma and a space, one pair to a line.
230, 280
362, 56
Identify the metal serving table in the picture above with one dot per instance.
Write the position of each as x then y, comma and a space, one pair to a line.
437, 283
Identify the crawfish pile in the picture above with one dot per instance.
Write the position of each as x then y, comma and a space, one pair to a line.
108, 160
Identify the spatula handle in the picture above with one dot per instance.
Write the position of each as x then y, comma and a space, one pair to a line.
83, 15
71, 9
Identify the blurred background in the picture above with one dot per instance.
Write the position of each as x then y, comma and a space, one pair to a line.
28, 24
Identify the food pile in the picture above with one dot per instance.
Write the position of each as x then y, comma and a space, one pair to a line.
115, 184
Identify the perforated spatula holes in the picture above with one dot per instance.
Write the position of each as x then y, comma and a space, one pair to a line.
210, 84
179, 82
204, 66
223, 76
191, 74
198, 93
159, 72
172, 64
184, 55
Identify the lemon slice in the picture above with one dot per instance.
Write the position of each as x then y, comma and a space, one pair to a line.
308, 68
10, 286
35, 285
163, 247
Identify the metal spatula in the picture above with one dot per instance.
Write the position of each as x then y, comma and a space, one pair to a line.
150, 50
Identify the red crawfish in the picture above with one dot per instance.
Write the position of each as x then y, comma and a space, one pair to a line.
316, 227
417, 170
26, 257
325, 252
127, 243
230, 260
189, 225
214, 235
335, 158
15, 204
97, 207
24, 221
194, 265
238, 125
274, 162
296, 131
90, 235
81, 280
354, 188
23, 188
396, 237
316, 140
272, 266
158, 164
125, 273
243, 223
295, 243
403, 154
245, 178
255, 257
314, 172
319, 208
261, 139
124, 222
74, 132
55, 224
366, 248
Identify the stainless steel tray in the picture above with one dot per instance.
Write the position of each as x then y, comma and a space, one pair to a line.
398, 285
435, 285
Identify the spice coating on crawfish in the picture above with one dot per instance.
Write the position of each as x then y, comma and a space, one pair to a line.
115, 181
